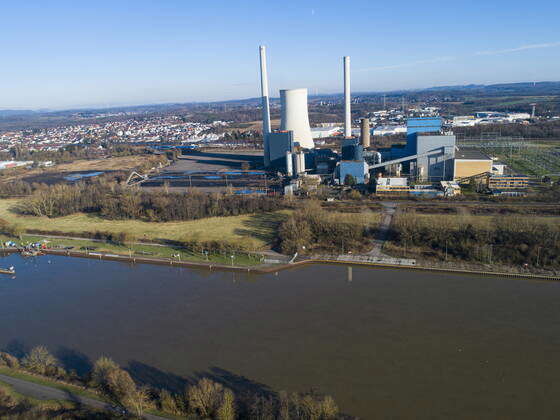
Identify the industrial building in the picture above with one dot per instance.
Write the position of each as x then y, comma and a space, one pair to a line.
430, 153
508, 182
471, 162
283, 149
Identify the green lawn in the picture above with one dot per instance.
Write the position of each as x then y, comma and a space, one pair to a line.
140, 250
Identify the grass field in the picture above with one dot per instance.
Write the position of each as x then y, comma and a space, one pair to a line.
478, 221
253, 232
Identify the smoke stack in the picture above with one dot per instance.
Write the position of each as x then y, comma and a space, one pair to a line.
265, 105
365, 133
347, 114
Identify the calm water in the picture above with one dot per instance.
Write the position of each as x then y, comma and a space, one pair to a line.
388, 344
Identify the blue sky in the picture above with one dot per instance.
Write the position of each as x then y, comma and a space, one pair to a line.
60, 54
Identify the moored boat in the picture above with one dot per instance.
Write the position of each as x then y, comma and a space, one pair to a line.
10, 270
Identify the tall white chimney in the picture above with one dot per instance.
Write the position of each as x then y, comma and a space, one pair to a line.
347, 113
265, 105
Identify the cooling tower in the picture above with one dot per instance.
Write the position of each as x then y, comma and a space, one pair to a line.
295, 116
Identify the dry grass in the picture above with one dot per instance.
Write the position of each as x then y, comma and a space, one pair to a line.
124, 163
251, 231
110, 164
477, 221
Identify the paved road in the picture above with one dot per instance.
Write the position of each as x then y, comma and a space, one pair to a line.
42, 392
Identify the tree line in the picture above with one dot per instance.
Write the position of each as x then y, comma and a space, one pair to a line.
115, 202
312, 228
203, 399
505, 240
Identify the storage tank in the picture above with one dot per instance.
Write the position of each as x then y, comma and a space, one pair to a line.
289, 164
365, 133
299, 159
295, 116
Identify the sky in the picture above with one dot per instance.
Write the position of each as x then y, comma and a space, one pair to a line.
68, 54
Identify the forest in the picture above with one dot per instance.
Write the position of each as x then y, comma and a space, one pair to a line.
511, 241
313, 229
115, 202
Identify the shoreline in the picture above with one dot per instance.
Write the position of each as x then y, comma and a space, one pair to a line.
267, 269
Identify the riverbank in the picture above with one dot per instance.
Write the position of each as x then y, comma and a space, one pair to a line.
266, 268
46, 392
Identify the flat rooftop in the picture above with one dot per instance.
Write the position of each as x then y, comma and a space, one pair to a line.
471, 154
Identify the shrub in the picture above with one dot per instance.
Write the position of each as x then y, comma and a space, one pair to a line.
40, 361
211, 399
7, 359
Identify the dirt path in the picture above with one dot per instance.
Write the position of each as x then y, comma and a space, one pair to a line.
389, 209
43, 392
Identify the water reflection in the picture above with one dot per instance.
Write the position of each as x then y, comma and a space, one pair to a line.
396, 344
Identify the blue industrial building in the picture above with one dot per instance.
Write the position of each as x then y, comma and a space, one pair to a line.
428, 152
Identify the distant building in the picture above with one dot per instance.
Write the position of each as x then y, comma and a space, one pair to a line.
320, 132
389, 130
7, 164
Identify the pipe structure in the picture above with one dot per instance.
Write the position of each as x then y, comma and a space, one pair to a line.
365, 133
265, 105
347, 113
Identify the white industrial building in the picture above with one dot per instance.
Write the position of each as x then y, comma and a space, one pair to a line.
321, 132
388, 130
489, 117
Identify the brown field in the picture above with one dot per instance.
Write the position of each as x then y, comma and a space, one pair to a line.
123, 163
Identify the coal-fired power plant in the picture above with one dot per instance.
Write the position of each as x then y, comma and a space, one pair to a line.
295, 116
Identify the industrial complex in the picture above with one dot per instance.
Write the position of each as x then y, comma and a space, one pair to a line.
431, 156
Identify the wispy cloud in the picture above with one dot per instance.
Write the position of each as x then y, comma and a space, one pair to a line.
411, 64
521, 48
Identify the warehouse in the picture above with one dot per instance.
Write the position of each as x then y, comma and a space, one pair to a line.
470, 162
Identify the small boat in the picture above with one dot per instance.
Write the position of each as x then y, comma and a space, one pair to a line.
32, 253
10, 270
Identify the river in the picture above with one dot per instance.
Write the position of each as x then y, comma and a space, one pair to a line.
386, 344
